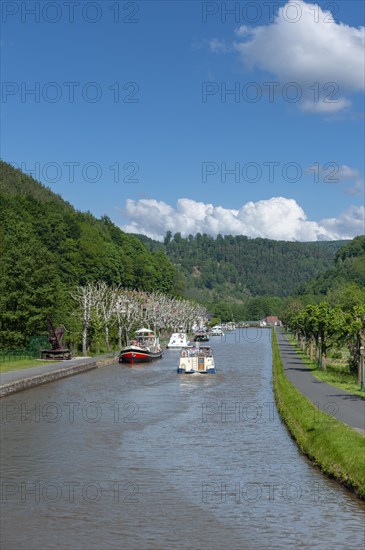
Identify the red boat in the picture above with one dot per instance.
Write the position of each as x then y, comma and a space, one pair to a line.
144, 347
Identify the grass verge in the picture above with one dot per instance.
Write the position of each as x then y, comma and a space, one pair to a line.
21, 364
9, 366
338, 450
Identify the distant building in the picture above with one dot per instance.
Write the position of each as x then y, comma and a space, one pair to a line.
272, 320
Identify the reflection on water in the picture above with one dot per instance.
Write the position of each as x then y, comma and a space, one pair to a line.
142, 458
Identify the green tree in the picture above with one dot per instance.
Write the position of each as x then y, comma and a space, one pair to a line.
354, 334
257, 308
30, 289
167, 238
347, 296
323, 323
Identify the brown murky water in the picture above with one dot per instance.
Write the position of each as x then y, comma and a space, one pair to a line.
142, 458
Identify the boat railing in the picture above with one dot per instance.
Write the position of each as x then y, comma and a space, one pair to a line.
196, 352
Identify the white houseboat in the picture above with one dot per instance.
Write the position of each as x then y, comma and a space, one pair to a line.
196, 360
217, 331
178, 340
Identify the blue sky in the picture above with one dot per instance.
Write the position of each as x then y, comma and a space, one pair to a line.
130, 118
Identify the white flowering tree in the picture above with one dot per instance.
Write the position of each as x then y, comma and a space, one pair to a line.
102, 306
127, 310
86, 298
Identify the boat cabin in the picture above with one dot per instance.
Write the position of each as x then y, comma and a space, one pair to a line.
196, 360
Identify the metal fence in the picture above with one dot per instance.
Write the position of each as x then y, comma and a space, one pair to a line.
32, 351
7, 355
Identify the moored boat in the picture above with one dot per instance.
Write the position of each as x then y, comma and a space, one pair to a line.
229, 327
196, 360
201, 337
144, 347
178, 340
217, 331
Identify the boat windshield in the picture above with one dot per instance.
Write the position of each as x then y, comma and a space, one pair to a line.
142, 341
194, 352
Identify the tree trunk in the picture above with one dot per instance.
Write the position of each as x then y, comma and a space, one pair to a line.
302, 343
107, 338
361, 365
120, 328
324, 355
84, 338
359, 371
307, 345
311, 349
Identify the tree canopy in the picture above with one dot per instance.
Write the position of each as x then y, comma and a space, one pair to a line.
46, 247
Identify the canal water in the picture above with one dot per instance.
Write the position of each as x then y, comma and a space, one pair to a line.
142, 458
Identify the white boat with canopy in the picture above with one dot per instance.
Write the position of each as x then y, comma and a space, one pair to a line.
196, 360
178, 340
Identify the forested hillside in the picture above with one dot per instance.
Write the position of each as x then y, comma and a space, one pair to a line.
344, 283
235, 268
47, 247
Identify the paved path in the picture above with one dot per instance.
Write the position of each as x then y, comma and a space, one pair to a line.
348, 408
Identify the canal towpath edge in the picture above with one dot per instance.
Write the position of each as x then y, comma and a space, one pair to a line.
23, 379
344, 406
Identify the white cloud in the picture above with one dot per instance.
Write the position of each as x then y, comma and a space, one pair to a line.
332, 174
322, 106
305, 45
347, 173
356, 189
349, 224
218, 46
276, 218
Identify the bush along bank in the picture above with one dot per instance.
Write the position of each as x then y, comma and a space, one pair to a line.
338, 450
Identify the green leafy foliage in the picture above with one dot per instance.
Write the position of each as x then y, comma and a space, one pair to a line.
349, 268
236, 268
47, 247
246, 279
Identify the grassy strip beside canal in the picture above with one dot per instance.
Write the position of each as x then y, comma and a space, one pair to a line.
338, 450
20, 364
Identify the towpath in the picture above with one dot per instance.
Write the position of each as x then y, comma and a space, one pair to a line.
346, 407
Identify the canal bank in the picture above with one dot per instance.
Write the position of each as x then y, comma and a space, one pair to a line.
23, 379
315, 415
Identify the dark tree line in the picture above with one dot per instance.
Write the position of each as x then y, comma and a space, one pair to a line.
241, 267
247, 279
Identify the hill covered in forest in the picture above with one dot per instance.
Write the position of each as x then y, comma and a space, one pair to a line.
236, 268
47, 247
344, 283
